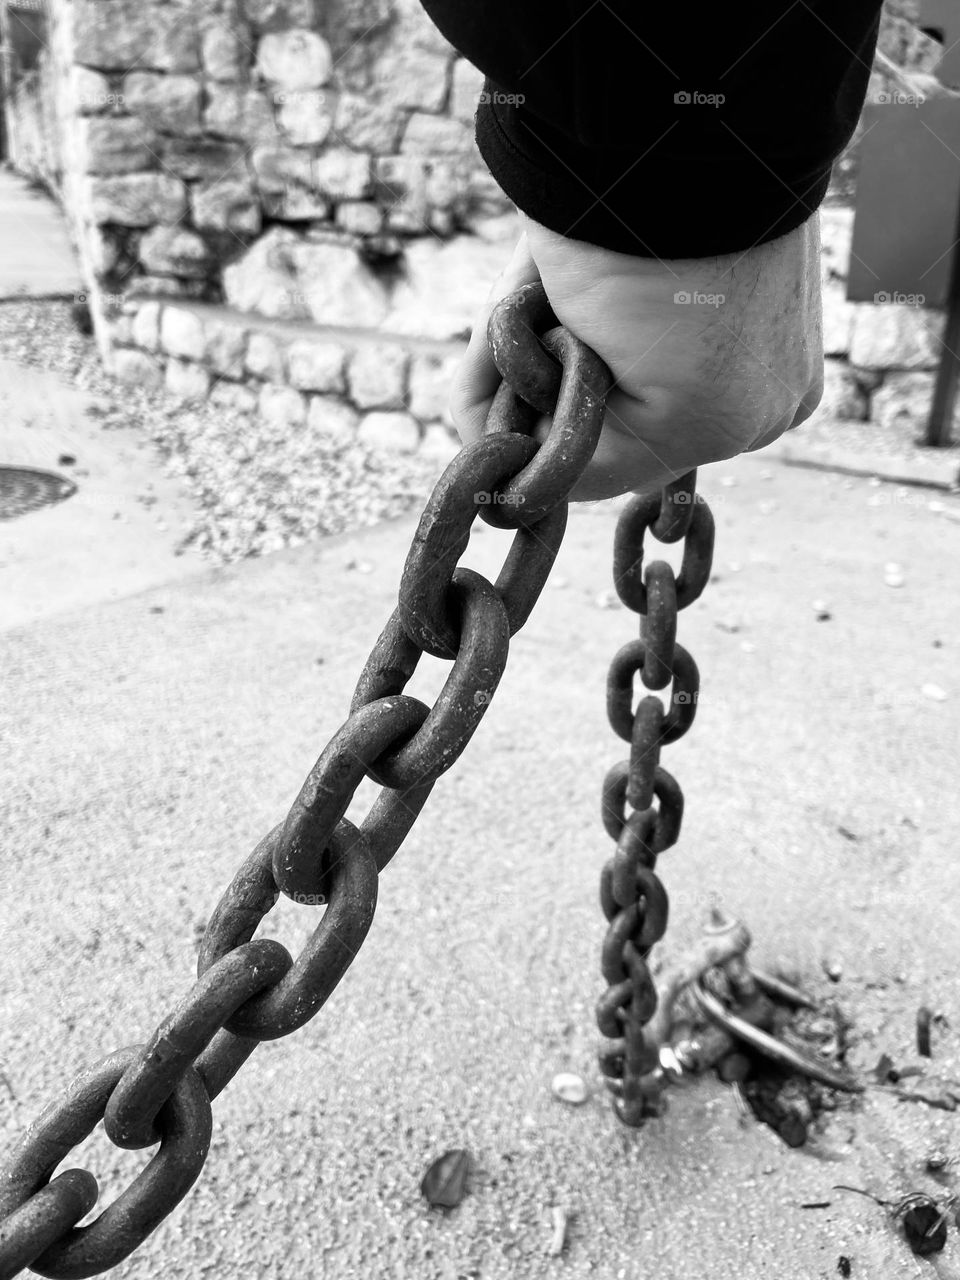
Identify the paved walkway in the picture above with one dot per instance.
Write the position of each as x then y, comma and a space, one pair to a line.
117, 535
150, 741
36, 257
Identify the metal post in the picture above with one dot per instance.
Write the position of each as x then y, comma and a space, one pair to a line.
940, 422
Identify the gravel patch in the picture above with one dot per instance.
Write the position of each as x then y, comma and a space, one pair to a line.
258, 488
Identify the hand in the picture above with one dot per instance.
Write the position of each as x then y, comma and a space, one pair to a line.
710, 356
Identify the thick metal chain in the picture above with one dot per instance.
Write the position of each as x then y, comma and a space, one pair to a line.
246, 990
632, 897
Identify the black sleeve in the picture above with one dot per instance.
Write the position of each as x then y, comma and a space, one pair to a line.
669, 130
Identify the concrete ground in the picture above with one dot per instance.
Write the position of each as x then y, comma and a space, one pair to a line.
118, 534
151, 740
36, 258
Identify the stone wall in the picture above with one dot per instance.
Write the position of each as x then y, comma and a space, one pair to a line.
204, 133
389, 393
304, 161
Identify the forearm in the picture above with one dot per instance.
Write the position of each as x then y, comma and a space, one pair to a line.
583, 129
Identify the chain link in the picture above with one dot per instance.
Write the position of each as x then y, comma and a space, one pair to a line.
632, 897
248, 991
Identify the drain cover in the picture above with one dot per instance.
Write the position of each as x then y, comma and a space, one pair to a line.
22, 490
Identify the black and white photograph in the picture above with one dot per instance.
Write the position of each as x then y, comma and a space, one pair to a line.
479, 628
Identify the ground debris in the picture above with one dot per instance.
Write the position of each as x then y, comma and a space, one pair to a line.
923, 1221
569, 1088
924, 1017
444, 1184
558, 1240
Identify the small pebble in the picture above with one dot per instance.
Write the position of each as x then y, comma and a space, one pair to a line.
728, 482
893, 575
569, 1088
360, 566
936, 1161
934, 693
936, 506
558, 583
734, 566
833, 969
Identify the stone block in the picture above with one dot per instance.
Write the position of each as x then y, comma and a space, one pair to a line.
242, 114
136, 368
112, 144
225, 51
265, 279
200, 157
890, 335
903, 402
277, 169
175, 251
118, 330
431, 377
343, 175
146, 326
378, 376
171, 104
305, 116
286, 179
264, 358
368, 125
187, 382
226, 344
315, 365
465, 89
338, 286
233, 396
330, 416
436, 136
136, 199
181, 333
294, 59
269, 15
282, 407
412, 74
359, 217
91, 93
117, 35
386, 432
226, 205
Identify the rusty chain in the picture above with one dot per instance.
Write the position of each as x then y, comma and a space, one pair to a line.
632, 896
252, 990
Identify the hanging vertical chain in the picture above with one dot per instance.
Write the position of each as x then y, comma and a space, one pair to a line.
632, 896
